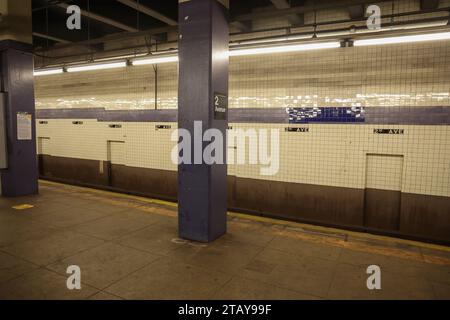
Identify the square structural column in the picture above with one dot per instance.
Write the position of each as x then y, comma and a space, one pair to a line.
19, 172
203, 115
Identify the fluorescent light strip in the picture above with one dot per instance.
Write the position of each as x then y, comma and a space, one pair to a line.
403, 39
47, 72
284, 49
274, 39
155, 60
101, 66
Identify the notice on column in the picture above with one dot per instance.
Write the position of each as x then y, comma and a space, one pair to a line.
24, 126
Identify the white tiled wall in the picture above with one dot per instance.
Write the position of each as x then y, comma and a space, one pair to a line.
114, 89
406, 75
144, 146
398, 75
328, 154
384, 172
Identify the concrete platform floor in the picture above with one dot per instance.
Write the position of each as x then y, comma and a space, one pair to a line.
127, 248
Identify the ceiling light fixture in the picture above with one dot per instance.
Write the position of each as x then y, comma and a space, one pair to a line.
46, 72
403, 39
100, 66
283, 48
155, 60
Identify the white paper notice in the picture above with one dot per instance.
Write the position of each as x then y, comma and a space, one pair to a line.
24, 126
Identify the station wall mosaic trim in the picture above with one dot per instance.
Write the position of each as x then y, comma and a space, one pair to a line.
302, 115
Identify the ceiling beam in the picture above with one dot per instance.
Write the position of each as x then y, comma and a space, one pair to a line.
45, 36
429, 4
295, 19
120, 36
243, 26
103, 19
50, 4
302, 9
148, 11
356, 12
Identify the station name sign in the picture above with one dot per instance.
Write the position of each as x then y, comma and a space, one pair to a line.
388, 131
294, 129
220, 106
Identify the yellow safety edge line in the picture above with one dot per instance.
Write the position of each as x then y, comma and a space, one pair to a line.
22, 207
308, 227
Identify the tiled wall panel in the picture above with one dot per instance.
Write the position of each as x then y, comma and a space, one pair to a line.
328, 154
406, 75
384, 172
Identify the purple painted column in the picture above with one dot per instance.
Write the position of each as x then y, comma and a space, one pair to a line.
16, 69
203, 77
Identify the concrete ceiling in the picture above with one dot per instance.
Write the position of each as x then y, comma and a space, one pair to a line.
106, 17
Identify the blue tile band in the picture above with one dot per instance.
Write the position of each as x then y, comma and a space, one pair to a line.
327, 114
343, 115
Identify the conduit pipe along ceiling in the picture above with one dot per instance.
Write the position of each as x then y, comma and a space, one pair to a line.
244, 51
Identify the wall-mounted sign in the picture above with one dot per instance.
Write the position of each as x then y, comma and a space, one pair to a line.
292, 129
220, 106
388, 131
162, 127
24, 128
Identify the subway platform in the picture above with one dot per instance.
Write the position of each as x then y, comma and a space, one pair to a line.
128, 248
